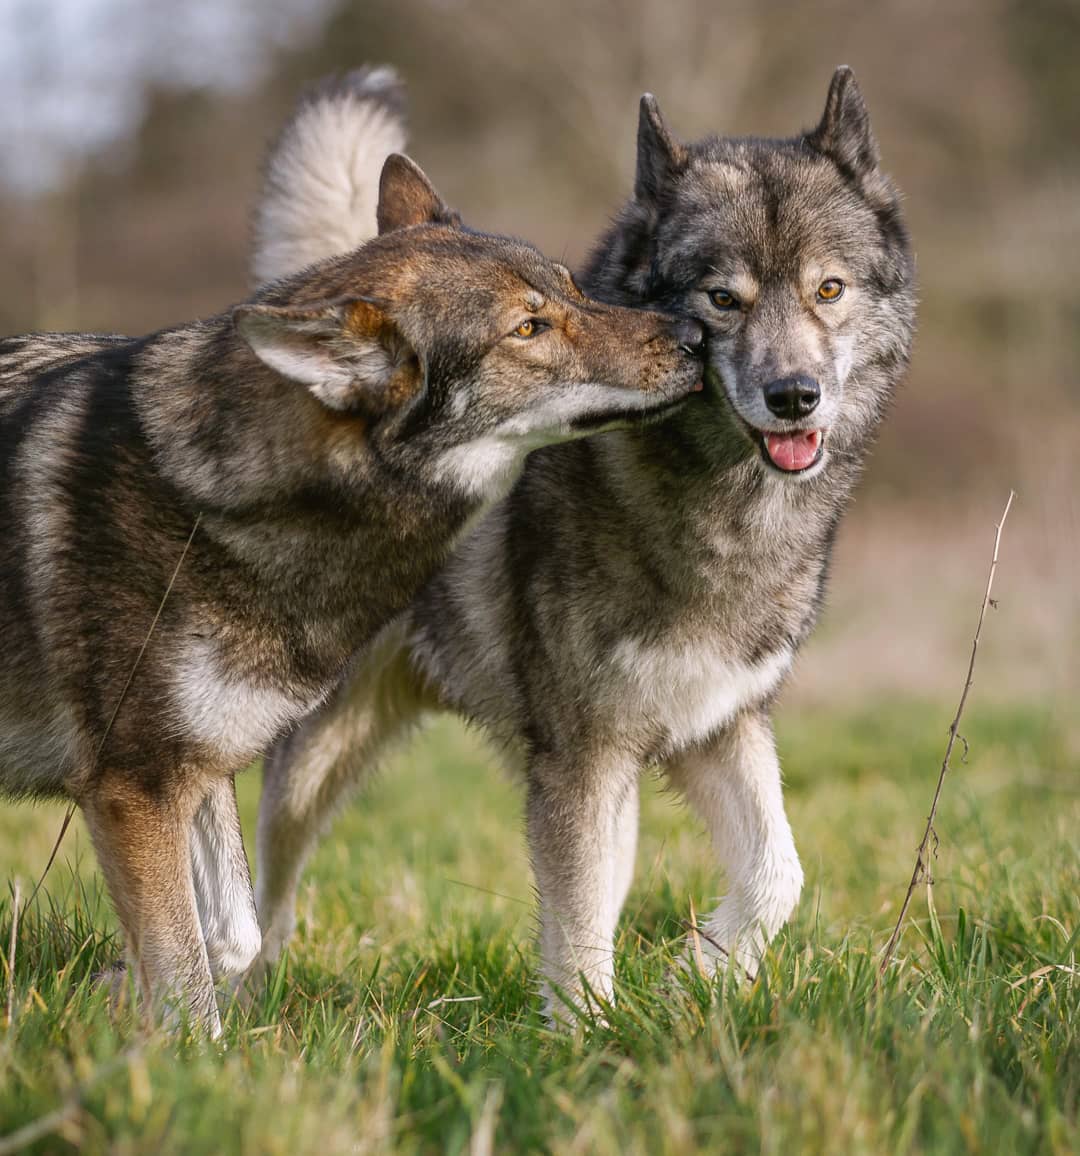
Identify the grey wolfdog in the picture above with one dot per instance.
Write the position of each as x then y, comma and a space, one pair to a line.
309, 458
637, 600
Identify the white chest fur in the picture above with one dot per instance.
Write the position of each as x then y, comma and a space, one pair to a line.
226, 712
689, 691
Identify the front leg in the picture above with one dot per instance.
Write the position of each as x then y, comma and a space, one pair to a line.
733, 783
142, 836
222, 878
626, 837
576, 826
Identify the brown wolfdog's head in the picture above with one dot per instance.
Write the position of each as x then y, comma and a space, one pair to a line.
462, 351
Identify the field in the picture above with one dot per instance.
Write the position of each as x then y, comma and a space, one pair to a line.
404, 1017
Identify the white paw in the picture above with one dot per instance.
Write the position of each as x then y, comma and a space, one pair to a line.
233, 955
710, 956
570, 1004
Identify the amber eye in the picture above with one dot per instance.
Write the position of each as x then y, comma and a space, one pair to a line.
722, 299
831, 290
528, 328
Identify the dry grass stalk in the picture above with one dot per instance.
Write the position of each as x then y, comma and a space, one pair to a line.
65, 1119
921, 871
11, 954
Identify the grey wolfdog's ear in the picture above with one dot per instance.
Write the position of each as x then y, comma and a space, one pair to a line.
407, 197
349, 353
659, 154
844, 132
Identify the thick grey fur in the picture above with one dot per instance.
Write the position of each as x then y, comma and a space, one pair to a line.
638, 598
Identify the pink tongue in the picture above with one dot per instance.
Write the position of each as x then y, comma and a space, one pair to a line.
793, 451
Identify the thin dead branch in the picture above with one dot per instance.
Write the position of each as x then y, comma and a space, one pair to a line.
698, 933
930, 838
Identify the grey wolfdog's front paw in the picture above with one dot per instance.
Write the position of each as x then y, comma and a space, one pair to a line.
574, 1006
713, 949
702, 954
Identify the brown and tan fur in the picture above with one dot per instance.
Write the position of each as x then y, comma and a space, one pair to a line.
252, 497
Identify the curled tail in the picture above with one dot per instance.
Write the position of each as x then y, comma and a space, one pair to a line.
321, 182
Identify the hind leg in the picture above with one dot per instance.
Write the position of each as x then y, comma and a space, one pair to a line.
222, 878
142, 840
733, 783
311, 773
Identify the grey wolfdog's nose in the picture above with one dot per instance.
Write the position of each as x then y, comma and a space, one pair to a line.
690, 335
792, 397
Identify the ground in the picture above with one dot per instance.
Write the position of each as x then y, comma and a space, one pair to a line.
404, 1018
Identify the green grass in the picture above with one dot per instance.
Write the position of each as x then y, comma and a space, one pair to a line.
404, 1017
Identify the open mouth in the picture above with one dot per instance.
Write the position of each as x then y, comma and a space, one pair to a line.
794, 452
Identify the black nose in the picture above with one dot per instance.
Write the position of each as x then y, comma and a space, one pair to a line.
792, 397
690, 335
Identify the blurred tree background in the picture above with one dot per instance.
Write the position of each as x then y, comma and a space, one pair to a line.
132, 132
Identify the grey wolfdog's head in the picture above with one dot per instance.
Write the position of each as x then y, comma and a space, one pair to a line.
795, 255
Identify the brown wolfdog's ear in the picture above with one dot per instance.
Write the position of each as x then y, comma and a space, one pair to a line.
349, 353
407, 197
844, 132
659, 154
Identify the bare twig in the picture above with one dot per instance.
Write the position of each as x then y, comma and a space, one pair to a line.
922, 865
11, 954
119, 702
440, 1000
698, 933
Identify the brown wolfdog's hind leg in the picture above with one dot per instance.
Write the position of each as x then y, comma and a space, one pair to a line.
142, 842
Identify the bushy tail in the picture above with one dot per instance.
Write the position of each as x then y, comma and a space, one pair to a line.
321, 183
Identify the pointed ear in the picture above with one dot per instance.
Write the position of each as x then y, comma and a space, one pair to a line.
407, 197
350, 354
844, 132
659, 155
